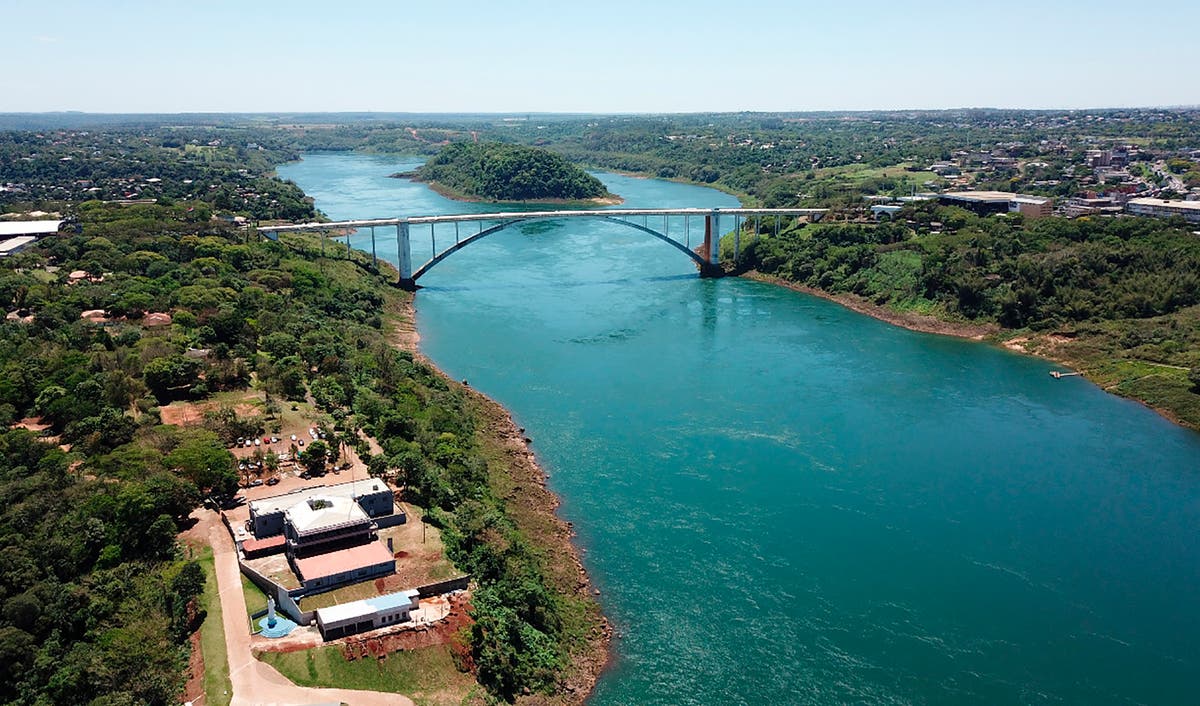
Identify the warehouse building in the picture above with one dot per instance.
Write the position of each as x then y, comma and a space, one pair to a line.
986, 203
1161, 208
15, 236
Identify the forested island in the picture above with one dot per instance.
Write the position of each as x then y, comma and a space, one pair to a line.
499, 172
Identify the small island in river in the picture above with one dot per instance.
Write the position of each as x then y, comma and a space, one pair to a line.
504, 173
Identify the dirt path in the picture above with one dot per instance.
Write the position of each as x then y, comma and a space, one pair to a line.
256, 683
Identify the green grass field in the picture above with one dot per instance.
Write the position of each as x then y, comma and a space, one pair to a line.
428, 675
218, 690
256, 600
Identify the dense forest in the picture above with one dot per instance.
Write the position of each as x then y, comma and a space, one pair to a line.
1120, 297
495, 171
225, 171
96, 595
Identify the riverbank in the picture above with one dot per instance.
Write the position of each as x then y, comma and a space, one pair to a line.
1054, 347
516, 475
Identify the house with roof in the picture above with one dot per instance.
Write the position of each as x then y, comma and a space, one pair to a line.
328, 533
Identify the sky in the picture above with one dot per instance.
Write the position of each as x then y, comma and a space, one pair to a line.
639, 56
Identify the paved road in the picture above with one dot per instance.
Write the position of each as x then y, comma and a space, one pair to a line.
256, 683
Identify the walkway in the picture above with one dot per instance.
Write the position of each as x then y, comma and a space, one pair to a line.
256, 683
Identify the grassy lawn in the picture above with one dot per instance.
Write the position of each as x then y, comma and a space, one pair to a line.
857, 173
345, 594
218, 690
256, 600
428, 675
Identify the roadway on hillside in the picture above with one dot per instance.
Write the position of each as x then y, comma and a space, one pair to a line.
256, 683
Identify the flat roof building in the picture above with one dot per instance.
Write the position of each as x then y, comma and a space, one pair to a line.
372, 495
987, 203
983, 203
1031, 206
368, 614
1161, 208
328, 532
12, 246
9, 229
324, 523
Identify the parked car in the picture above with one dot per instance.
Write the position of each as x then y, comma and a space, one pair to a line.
300, 441
249, 443
272, 481
256, 482
293, 437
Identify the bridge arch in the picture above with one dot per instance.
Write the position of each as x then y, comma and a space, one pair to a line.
700, 262
709, 266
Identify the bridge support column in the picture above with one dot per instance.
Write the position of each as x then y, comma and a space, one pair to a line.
711, 250
404, 257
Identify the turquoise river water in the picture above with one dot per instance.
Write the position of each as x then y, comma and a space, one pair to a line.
783, 501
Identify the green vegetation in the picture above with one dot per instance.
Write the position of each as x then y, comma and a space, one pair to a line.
273, 313
256, 600
217, 170
500, 172
427, 675
218, 689
97, 604
1119, 298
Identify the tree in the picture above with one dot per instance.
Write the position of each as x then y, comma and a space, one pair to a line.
171, 376
205, 462
1194, 378
315, 457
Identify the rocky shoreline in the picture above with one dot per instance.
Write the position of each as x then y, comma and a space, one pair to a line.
536, 510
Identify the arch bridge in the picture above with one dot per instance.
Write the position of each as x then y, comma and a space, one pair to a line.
481, 225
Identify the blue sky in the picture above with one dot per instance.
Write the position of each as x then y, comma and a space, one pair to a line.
615, 56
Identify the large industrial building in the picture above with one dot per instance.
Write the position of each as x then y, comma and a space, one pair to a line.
1161, 208
15, 236
987, 203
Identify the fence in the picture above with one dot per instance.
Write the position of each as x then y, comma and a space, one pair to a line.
436, 589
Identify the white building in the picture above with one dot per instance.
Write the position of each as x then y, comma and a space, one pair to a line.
369, 614
1161, 208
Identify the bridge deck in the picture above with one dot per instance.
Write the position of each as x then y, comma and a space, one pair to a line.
526, 215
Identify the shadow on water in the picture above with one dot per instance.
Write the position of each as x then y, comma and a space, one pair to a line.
484, 286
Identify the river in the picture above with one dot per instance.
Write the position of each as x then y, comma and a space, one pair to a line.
783, 501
